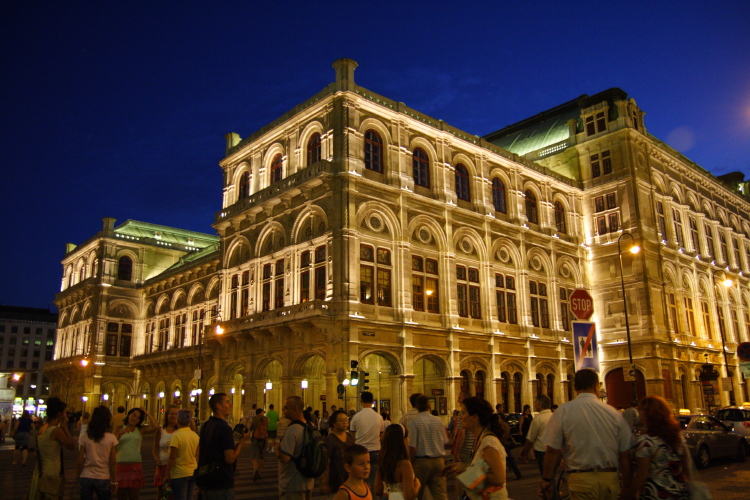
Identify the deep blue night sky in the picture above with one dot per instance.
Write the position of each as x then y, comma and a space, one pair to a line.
120, 111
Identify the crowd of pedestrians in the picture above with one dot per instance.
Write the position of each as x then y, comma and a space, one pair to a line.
363, 455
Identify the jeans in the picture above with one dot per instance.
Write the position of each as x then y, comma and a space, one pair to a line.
183, 488
100, 486
373, 468
511, 462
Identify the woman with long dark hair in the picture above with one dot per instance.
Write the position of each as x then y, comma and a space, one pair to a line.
661, 461
129, 460
337, 440
478, 418
160, 450
395, 473
97, 457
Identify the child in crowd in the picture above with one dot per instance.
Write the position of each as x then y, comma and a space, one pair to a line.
357, 464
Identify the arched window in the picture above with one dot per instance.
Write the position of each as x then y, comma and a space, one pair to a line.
244, 185
498, 195
313, 149
532, 214
462, 183
276, 168
82, 273
373, 151
560, 217
421, 168
125, 268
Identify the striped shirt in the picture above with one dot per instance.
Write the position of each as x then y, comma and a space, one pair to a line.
468, 445
427, 435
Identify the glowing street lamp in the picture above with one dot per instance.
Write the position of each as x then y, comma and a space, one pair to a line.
727, 282
634, 249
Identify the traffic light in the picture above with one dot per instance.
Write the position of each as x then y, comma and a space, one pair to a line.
363, 376
354, 379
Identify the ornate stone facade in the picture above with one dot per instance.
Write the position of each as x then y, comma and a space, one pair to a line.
355, 228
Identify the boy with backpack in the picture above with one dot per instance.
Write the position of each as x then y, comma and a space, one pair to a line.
259, 433
301, 453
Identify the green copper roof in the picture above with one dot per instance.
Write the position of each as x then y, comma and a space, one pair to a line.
551, 126
166, 234
539, 135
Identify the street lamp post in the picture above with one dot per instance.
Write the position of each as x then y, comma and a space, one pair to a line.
634, 249
84, 363
304, 389
219, 331
728, 284
269, 386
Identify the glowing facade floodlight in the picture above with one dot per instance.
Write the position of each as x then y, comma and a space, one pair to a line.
177, 394
219, 330
304, 384
269, 385
161, 395
145, 396
728, 282
84, 398
84, 362
345, 382
105, 397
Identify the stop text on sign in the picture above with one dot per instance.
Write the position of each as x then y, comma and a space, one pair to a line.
581, 304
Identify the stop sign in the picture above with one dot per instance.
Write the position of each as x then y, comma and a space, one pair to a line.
581, 304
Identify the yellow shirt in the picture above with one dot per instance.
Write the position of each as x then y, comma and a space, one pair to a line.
186, 442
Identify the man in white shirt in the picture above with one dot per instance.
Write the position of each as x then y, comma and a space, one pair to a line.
367, 426
412, 412
535, 437
593, 439
427, 439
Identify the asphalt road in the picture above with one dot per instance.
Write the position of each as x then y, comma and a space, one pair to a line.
728, 480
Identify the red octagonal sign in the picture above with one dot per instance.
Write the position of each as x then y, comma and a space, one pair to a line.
581, 304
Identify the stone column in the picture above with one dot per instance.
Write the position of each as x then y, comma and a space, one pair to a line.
332, 397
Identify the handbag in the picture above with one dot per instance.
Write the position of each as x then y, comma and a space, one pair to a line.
208, 475
474, 478
697, 490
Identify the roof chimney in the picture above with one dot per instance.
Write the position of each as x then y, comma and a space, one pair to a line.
108, 227
345, 72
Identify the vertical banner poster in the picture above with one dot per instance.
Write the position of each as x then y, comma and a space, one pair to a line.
584, 345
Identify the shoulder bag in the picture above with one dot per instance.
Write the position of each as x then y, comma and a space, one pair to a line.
474, 478
697, 490
210, 474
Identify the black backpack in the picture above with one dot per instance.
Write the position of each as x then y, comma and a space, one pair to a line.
313, 459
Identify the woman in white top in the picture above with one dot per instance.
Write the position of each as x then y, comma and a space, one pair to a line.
97, 457
160, 451
478, 418
395, 475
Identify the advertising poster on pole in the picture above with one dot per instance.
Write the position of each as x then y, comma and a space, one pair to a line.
584, 345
